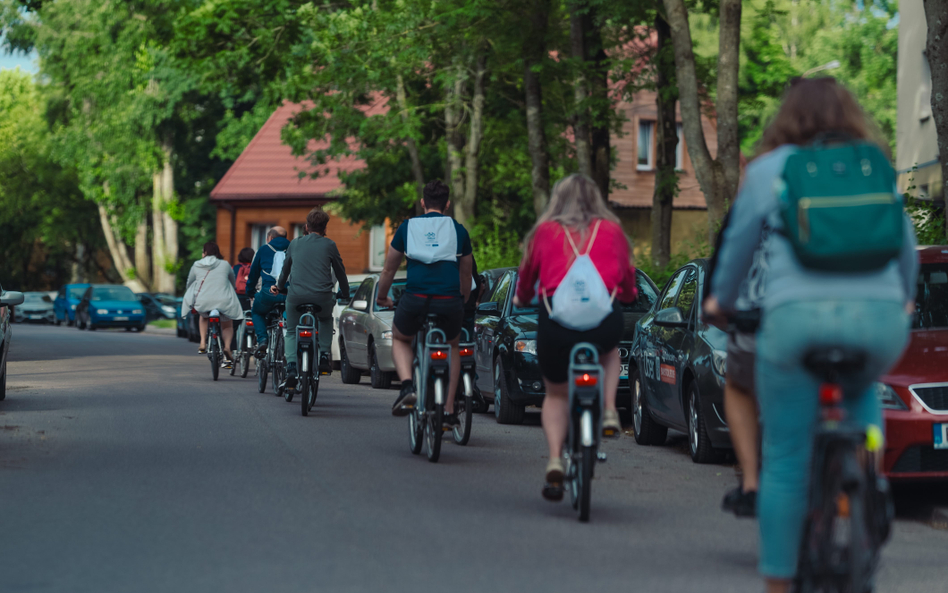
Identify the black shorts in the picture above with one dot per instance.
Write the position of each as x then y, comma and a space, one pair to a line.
554, 342
413, 309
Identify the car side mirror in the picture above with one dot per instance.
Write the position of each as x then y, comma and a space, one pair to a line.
491, 308
360, 305
11, 298
670, 317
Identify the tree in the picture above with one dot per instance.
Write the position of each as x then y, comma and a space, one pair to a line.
936, 48
534, 54
666, 142
719, 176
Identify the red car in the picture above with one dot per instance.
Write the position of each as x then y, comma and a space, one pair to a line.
915, 393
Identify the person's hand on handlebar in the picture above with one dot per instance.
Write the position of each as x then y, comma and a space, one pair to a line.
274, 290
517, 303
712, 314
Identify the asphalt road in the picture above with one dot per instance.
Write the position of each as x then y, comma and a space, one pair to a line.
124, 468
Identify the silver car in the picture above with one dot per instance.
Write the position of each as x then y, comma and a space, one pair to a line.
365, 341
37, 307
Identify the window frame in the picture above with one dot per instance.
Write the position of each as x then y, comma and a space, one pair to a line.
679, 148
650, 149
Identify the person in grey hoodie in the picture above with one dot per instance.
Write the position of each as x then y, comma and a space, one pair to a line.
211, 286
309, 266
802, 309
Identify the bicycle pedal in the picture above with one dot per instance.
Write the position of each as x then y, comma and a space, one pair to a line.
601, 457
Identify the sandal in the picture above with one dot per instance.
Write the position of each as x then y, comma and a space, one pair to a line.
202, 350
611, 427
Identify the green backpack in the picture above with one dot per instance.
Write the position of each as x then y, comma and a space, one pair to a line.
839, 207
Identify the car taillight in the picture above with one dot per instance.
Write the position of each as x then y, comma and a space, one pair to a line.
214, 319
305, 333
467, 352
439, 355
586, 380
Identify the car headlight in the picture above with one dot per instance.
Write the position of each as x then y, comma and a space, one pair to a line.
102, 311
719, 361
525, 346
168, 309
387, 335
888, 398
73, 307
136, 311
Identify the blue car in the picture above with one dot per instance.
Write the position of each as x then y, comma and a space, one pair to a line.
67, 299
110, 305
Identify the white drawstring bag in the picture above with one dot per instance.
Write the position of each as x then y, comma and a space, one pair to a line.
432, 239
581, 301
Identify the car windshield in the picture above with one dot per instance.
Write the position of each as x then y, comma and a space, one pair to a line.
113, 293
395, 292
36, 297
76, 292
931, 301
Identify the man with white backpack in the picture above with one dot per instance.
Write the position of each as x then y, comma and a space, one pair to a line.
440, 264
264, 271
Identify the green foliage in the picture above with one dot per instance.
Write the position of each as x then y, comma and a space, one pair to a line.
495, 246
695, 247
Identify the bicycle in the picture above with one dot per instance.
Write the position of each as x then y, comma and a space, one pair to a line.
246, 343
582, 441
215, 348
307, 348
850, 506
464, 399
430, 374
273, 361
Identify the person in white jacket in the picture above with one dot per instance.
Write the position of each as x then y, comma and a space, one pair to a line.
211, 286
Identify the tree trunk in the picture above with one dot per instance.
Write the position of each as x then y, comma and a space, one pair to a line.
936, 48
577, 38
416, 169
142, 261
474, 137
453, 114
601, 109
165, 229
534, 52
118, 250
718, 178
666, 143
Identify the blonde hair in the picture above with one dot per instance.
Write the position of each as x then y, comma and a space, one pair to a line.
575, 203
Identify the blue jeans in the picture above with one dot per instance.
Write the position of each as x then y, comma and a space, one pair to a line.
789, 408
263, 303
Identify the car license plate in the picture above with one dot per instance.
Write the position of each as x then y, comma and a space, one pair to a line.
36, 316
624, 373
120, 318
941, 435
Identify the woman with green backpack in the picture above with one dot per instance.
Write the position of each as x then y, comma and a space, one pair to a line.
841, 273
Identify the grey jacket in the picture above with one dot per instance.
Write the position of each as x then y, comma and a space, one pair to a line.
309, 266
787, 280
211, 286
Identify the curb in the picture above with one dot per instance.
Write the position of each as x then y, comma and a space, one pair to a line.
940, 517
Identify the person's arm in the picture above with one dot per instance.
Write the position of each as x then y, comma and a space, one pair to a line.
465, 265
339, 269
232, 277
392, 261
285, 272
528, 273
254, 275
192, 276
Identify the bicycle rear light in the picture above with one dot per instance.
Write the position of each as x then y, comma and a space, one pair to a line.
214, 319
439, 355
305, 333
467, 352
586, 380
830, 394
250, 324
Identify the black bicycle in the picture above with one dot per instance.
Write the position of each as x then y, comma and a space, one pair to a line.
274, 360
430, 374
850, 506
307, 354
464, 399
585, 425
246, 344
215, 346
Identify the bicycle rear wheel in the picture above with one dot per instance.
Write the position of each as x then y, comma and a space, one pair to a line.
464, 408
244, 364
584, 474
434, 427
261, 370
313, 391
215, 357
303, 386
416, 420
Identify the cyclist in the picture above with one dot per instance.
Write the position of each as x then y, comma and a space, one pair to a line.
311, 259
262, 273
804, 308
577, 215
211, 286
439, 281
242, 274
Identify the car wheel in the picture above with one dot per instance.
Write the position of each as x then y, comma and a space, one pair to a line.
379, 378
647, 431
698, 440
505, 411
3, 382
350, 374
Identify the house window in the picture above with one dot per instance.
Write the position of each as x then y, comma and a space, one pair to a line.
258, 235
377, 248
679, 149
298, 231
645, 162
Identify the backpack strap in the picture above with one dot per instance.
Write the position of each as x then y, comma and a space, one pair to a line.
592, 239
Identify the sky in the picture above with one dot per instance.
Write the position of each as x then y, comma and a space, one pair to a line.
25, 62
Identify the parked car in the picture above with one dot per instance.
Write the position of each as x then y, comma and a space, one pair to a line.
914, 393
158, 305
355, 281
631, 313
8, 300
66, 301
505, 345
110, 305
37, 307
366, 335
678, 373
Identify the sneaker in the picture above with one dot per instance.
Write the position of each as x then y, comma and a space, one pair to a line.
261, 351
405, 402
291, 375
553, 489
450, 420
611, 427
742, 504
227, 363
325, 363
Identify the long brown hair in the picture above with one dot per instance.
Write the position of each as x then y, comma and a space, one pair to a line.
815, 106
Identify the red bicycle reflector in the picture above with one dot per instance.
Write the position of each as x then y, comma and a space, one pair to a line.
305, 333
586, 380
467, 352
439, 355
214, 319
830, 394
250, 324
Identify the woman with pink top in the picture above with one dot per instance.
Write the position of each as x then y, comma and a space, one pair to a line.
577, 221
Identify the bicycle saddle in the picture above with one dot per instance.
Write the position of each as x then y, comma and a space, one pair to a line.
835, 360
308, 308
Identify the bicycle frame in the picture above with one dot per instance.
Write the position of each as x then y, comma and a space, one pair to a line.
434, 360
585, 426
468, 364
306, 336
